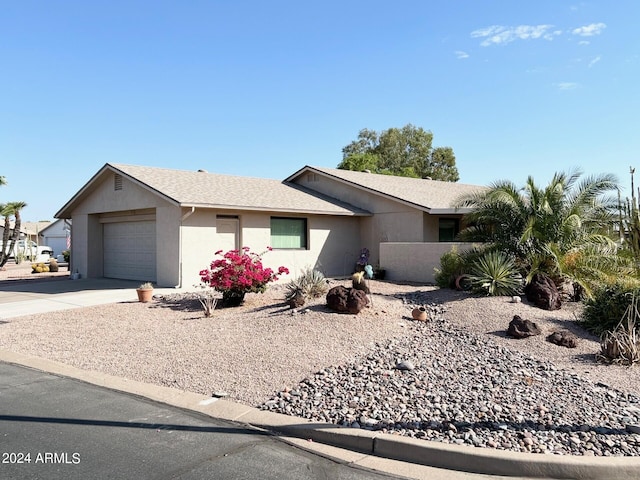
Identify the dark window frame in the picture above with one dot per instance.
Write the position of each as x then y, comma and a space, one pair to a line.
455, 228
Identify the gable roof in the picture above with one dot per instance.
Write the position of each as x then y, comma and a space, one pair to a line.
52, 225
433, 196
33, 228
225, 192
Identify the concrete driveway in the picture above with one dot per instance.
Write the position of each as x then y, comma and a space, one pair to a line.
28, 297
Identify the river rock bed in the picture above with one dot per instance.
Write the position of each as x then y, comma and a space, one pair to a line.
439, 383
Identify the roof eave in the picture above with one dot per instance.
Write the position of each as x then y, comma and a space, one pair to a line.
307, 211
450, 211
65, 211
424, 208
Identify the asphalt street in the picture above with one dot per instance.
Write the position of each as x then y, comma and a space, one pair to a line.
54, 427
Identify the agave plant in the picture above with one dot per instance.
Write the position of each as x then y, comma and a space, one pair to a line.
494, 273
311, 283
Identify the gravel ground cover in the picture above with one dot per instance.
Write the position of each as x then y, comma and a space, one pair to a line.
456, 378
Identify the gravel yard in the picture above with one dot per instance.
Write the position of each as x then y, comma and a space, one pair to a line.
262, 352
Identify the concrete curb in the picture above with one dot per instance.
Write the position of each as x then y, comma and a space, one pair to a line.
395, 447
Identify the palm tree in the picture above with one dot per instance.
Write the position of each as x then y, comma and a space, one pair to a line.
8, 242
562, 229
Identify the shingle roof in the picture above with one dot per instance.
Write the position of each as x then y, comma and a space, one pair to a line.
35, 227
432, 195
193, 188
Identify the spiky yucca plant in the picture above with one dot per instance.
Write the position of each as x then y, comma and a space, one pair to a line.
622, 345
494, 274
311, 283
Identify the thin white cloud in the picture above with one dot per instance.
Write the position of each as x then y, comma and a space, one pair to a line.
566, 85
460, 54
594, 61
584, 42
501, 35
589, 30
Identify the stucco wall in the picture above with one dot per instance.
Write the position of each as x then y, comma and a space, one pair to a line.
392, 221
130, 201
168, 245
334, 243
198, 246
79, 245
415, 262
104, 198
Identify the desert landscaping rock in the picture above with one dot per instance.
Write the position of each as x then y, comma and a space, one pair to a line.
563, 339
471, 383
542, 292
482, 395
522, 328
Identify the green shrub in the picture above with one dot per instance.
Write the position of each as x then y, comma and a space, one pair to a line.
604, 311
452, 265
495, 273
311, 283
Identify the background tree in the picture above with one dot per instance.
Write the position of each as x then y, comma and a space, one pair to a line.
405, 151
8, 210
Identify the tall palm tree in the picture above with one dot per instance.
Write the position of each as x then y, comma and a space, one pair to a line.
9, 241
541, 226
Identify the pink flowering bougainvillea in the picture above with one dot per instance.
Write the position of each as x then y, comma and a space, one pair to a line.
238, 272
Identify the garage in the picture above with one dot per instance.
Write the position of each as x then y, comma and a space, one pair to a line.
130, 250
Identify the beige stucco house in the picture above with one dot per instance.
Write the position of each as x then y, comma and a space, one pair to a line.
164, 225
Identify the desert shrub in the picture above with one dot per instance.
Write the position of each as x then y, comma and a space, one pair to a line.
208, 298
495, 273
622, 344
608, 305
452, 265
311, 283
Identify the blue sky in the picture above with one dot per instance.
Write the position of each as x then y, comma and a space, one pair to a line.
263, 88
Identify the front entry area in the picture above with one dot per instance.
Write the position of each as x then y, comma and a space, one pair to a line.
227, 233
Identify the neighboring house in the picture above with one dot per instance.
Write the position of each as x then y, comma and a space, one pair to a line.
163, 225
56, 235
33, 230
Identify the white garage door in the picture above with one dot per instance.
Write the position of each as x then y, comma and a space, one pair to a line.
130, 250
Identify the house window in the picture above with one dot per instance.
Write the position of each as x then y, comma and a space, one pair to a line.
289, 233
448, 229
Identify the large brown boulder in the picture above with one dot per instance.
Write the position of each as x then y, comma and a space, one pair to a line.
563, 339
346, 300
543, 293
521, 328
